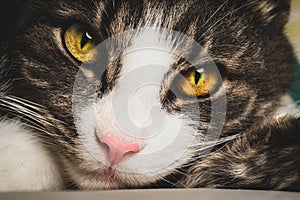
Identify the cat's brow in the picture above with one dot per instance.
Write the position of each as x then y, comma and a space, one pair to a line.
88, 14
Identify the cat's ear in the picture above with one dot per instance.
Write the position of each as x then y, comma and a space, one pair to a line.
275, 12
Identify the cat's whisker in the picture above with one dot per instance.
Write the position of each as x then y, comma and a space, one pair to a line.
215, 13
215, 142
25, 102
23, 110
35, 109
209, 145
36, 120
20, 107
32, 127
221, 19
36, 124
169, 182
180, 172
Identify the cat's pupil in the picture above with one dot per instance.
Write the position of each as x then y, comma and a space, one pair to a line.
85, 39
197, 77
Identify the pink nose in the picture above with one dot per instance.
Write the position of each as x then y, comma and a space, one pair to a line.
117, 150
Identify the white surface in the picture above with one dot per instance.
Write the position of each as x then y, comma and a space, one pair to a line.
185, 194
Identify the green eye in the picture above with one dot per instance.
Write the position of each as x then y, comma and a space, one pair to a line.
198, 82
81, 44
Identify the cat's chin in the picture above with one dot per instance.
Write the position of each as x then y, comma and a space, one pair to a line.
107, 178
103, 180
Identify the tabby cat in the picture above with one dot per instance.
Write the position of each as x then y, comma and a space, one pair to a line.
111, 94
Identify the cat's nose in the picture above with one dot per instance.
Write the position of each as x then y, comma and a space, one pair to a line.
117, 150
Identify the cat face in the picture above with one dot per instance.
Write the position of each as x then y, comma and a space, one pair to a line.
134, 91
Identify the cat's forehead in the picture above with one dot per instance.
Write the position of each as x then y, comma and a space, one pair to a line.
200, 19
128, 13
119, 16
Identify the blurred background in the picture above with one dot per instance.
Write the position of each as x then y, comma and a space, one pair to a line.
293, 31
293, 28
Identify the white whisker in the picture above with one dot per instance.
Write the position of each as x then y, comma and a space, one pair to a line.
209, 144
29, 126
216, 12
35, 109
27, 112
220, 20
28, 109
24, 102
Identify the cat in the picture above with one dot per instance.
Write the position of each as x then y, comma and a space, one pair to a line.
147, 94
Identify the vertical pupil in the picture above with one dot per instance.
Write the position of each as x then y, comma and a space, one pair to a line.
86, 37
197, 77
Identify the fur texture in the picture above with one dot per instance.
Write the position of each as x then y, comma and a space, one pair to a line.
245, 40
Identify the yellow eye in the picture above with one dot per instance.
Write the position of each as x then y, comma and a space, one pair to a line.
198, 82
81, 44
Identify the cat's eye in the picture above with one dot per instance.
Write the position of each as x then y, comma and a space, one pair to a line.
80, 43
198, 82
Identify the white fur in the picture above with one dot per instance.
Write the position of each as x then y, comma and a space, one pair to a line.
25, 164
133, 106
287, 107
